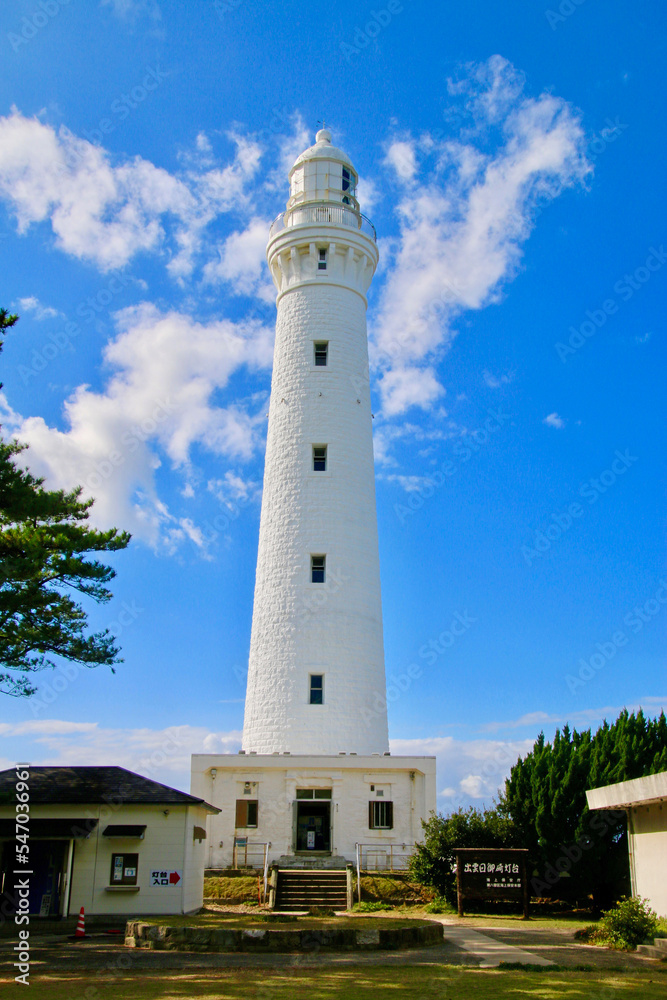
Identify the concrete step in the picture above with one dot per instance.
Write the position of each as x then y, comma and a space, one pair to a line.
653, 950
661, 943
301, 890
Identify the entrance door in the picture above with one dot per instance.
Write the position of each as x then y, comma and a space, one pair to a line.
313, 826
47, 862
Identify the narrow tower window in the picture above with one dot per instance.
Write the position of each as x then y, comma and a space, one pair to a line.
316, 694
321, 353
322, 262
319, 458
317, 567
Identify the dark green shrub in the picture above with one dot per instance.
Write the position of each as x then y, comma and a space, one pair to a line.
366, 906
624, 926
439, 905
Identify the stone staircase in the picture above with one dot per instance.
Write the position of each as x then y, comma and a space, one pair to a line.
302, 888
656, 950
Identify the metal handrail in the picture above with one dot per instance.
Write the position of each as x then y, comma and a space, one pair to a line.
327, 211
388, 857
266, 867
250, 854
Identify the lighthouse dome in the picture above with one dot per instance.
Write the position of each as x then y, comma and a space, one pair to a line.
323, 150
323, 173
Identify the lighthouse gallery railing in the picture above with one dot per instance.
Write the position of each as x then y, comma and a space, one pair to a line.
339, 215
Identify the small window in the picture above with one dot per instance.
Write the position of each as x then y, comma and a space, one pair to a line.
316, 689
381, 815
124, 869
322, 262
317, 568
246, 813
313, 793
319, 458
321, 353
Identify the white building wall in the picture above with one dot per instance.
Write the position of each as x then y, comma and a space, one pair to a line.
647, 827
299, 627
409, 782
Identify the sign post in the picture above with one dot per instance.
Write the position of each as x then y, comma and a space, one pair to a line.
491, 873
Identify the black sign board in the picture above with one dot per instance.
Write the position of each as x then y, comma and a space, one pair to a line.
491, 873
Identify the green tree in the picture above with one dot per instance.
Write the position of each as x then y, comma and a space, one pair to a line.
434, 859
575, 852
44, 544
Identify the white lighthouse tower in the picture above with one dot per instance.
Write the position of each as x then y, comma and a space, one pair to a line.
315, 783
316, 672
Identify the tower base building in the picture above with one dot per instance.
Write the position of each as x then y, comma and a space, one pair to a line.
314, 810
314, 782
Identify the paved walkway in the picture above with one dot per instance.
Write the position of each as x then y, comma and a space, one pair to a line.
489, 953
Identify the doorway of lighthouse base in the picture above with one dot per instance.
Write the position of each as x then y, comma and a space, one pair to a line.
312, 826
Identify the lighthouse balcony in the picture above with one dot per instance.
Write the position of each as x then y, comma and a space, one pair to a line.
323, 212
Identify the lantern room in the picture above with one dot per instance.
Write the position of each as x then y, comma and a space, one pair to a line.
323, 173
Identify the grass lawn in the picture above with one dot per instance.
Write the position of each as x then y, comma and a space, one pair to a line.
361, 983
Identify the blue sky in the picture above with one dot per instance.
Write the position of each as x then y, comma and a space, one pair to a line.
511, 159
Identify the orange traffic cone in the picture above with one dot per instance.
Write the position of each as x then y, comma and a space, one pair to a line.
80, 931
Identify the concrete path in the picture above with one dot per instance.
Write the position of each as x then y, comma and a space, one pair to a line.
489, 953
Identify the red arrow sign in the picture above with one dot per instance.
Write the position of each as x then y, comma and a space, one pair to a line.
174, 878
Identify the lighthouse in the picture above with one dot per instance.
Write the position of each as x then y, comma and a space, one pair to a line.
315, 783
316, 679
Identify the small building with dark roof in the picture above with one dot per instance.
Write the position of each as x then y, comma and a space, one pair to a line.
104, 838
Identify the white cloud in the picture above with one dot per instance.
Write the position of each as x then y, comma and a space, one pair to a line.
131, 9
465, 217
403, 387
402, 157
469, 771
554, 420
242, 262
105, 213
33, 305
582, 718
495, 381
157, 404
368, 195
409, 483
161, 754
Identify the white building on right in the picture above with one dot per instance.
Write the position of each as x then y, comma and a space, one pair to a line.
645, 802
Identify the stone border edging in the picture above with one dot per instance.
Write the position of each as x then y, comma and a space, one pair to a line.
159, 937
